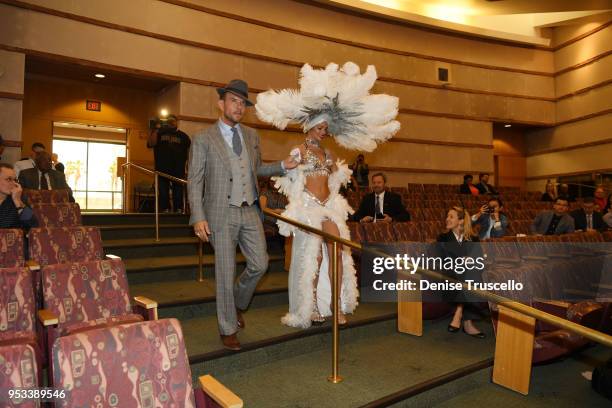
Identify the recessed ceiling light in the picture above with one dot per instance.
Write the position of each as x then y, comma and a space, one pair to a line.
163, 112
507, 125
100, 76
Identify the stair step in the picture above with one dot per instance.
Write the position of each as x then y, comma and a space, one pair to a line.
92, 218
148, 247
133, 231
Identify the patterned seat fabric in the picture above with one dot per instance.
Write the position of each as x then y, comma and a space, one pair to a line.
136, 365
86, 294
356, 231
17, 306
406, 231
18, 369
11, 248
46, 196
57, 215
379, 232
57, 245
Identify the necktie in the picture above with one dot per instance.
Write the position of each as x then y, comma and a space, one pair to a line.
377, 205
43, 182
236, 143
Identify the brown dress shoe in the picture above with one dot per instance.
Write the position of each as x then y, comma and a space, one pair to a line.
240, 319
230, 342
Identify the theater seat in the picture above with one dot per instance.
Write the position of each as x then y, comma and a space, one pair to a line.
381, 232
46, 196
11, 248
57, 245
146, 361
57, 215
19, 369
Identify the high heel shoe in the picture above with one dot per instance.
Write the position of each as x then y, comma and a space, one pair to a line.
479, 335
452, 328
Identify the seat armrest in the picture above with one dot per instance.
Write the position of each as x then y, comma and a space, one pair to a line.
147, 307
47, 318
220, 393
111, 256
33, 265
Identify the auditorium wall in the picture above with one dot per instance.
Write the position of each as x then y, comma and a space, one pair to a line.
11, 96
581, 142
447, 129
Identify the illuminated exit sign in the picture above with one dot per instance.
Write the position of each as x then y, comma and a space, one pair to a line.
93, 105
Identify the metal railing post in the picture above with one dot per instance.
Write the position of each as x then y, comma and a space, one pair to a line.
335, 378
156, 207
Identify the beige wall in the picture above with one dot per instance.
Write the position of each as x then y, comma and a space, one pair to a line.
11, 92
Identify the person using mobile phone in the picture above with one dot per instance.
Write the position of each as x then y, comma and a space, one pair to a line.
493, 223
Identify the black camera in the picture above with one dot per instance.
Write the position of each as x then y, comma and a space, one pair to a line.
161, 123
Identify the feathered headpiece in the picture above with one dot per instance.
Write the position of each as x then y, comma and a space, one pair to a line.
341, 97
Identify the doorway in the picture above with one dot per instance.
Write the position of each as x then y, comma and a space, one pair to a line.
90, 155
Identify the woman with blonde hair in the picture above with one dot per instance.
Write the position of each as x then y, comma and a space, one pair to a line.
456, 243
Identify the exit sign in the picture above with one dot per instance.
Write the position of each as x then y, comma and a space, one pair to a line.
93, 105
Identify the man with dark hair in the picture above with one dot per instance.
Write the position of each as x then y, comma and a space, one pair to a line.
14, 213
28, 162
483, 185
170, 150
43, 177
565, 193
492, 221
586, 218
555, 222
467, 187
380, 204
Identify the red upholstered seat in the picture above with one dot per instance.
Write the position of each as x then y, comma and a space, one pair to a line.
56, 245
57, 215
378, 232
17, 304
19, 370
11, 248
356, 231
406, 231
46, 196
141, 365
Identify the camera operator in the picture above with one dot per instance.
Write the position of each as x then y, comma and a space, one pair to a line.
170, 149
493, 223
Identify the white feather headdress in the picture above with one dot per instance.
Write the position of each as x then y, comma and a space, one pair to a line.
356, 119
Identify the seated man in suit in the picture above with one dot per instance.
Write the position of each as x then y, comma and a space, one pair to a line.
483, 185
43, 177
556, 222
586, 218
493, 223
381, 205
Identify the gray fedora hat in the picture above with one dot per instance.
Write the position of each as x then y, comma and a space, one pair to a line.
239, 88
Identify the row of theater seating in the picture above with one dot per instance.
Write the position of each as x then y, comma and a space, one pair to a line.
90, 329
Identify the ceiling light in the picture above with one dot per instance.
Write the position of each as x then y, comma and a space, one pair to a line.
100, 76
507, 125
163, 112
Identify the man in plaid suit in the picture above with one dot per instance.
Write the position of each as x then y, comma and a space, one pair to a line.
224, 162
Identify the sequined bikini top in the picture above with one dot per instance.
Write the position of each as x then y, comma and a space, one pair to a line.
314, 165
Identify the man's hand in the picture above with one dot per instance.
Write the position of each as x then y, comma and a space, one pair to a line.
483, 209
290, 163
386, 218
201, 230
367, 218
16, 195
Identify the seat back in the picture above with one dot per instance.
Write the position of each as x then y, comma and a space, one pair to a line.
85, 291
17, 302
379, 232
141, 365
356, 231
56, 245
406, 231
11, 248
46, 196
57, 215
19, 370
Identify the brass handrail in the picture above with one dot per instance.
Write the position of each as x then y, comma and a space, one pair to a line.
586, 332
156, 174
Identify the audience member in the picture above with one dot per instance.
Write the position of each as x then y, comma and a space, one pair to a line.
28, 162
361, 171
43, 177
600, 199
493, 223
564, 192
555, 222
57, 165
586, 218
380, 204
608, 213
170, 150
550, 194
271, 199
14, 213
483, 185
467, 187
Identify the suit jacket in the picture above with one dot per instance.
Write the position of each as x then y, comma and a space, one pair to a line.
483, 190
392, 206
485, 220
542, 221
209, 182
465, 189
29, 178
580, 221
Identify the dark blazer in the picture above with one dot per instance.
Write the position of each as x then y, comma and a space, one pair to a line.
542, 221
580, 221
392, 206
465, 189
482, 188
29, 179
